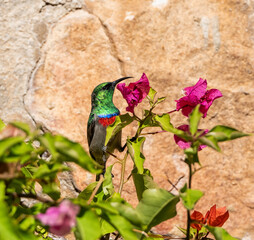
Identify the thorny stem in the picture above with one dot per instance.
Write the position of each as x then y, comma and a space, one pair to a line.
122, 173
112, 154
188, 211
172, 111
127, 179
137, 118
174, 185
95, 190
196, 170
205, 235
152, 133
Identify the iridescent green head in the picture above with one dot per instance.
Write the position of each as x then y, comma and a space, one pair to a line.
102, 98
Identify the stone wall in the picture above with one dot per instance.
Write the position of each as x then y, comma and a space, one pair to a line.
54, 52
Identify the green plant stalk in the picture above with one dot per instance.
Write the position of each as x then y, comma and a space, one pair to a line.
96, 189
142, 122
188, 211
122, 173
126, 154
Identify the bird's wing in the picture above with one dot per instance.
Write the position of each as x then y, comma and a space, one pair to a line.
115, 142
96, 134
90, 131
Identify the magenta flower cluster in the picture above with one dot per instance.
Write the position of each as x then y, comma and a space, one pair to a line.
60, 219
182, 143
195, 95
135, 92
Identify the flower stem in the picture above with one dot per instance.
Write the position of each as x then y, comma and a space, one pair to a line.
122, 173
141, 122
188, 211
196, 235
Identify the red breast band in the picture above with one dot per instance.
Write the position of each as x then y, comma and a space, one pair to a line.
107, 121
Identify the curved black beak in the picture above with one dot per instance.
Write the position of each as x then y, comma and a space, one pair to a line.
119, 80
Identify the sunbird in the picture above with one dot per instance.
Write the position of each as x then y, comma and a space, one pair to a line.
103, 114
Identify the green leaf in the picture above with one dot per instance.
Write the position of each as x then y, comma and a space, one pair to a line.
8, 229
52, 190
87, 192
74, 152
22, 126
22, 148
154, 237
16, 185
28, 223
88, 226
47, 140
106, 227
156, 206
27, 172
142, 182
203, 232
107, 185
2, 125
120, 122
192, 155
7, 143
62, 149
2, 190
151, 94
194, 119
165, 124
135, 149
192, 231
223, 133
104, 206
149, 121
190, 197
42, 232
49, 170
38, 208
220, 233
126, 210
160, 100
209, 141
122, 225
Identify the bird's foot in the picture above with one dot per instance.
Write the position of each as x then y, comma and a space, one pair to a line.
104, 149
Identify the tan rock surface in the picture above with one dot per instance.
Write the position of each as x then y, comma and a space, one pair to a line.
24, 28
174, 43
